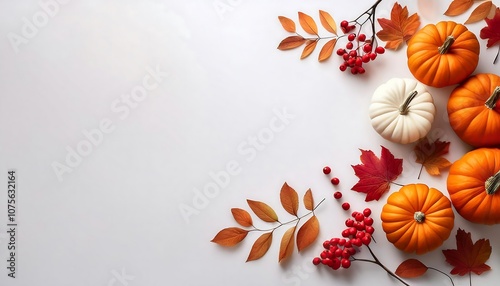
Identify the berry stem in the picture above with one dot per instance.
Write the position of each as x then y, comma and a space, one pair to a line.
435, 269
496, 57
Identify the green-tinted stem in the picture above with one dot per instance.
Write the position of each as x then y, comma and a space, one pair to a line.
492, 185
403, 110
493, 99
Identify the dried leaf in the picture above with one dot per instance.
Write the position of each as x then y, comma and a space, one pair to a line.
411, 268
308, 49
286, 246
492, 30
263, 211
399, 29
287, 23
327, 50
260, 246
458, 7
289, 199
309, 200
242, 217
308, 233
307, 23
230, 236
480, 13
468, 257
430, 155
375, 175
328, 22
291, 42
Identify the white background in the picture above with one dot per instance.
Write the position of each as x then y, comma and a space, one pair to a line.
115, 219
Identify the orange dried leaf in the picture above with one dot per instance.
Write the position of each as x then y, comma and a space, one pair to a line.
309, 200
242, 217
308, 233
411, 268
230, 236
430, 155
287, 23
291, 42
480, 13
263, 211
308, 24
289, 199
458, 7
260, 246
308, 49
399, 29
328, 22
327, 50
286, 246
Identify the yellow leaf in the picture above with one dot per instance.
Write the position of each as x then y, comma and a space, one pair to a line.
480, 13
287, 23
307, 23
291, 42
242, 217
458, 7
308, 233
260, 246
289, 199
263, 211
230, 236
308, 49
309, 200
328, 22
327, 50
286, 246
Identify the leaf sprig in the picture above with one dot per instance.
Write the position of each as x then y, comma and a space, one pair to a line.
305, 236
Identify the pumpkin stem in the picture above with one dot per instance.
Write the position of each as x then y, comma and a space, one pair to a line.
403, 110
446, 45
492, 185
419, 216
495, 96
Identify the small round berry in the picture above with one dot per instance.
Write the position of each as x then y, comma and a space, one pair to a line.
353, 54
351, 62
346, 263
338, 252
341, 52
349, 222
342, 241
366, 239
334, 241
369, 229
380, 50
373, 56
343, 67
344, 24
326, 261
327, 170
357, 242
347, 244
354, 70
368, 221
359, 62
336, 264
354, 213
352, 230
351, 250
346, 254
345, 56
324, 255
335, 181
351, 37
350, 28
359, 217
326, 244
367, 48
346, 206
360, 234
367, 212
365, 58
361, 70
345, 233
349, 45
360, 226
361, 37
337, 195
316, 260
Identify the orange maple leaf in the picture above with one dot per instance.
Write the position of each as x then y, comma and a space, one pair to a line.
430, 156
399, 29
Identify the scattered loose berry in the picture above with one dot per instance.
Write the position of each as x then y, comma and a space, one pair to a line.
327, 170
337, 195
316, 260
335, 181
346, 206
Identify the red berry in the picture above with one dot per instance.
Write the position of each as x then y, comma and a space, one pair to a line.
338, 252
350, 28
335, 180
360, 226
359, 217
346, 206
359, 61
347, 244
368, 221
352, 230
362, 37
373, 56
346, 254
357, 242
343, 67
351, 250
346, 263
380, 50
360, 234
334, 241
361, 70
323, 255
345, 233
354, 213
354, 70
353, 54
367, 212
326, 244
316, 260
349, 222
369, 229
367, 48
326, 261
351, 37
366, 58
341, 52
345, 56
342, 241
366, 239
349, 45
344, 24
336, 264
337, 195
327, 170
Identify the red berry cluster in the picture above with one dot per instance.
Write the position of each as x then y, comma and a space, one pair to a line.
358, 50
338, 251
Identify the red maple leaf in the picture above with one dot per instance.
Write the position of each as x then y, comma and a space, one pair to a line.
492, 30
375, 175
468, 257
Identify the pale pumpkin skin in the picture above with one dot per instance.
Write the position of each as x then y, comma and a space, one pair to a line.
394, 124
403, 229
468, 187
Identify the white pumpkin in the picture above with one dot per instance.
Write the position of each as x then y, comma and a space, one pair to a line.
402, 110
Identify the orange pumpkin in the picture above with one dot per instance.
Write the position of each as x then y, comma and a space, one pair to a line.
417, 218
474, 110
474, 185
443, 54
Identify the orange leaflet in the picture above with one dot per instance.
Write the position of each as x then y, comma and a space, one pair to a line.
481, 12
468, 257
308, 233
286, 246
287, 23
260, 246
289, 199
399, 28
309, 200
307, 23
308, 49
230, 236
291, 42
411, 268
328, 22
263, 211
430, 155
242, 217
458, 7
327, 50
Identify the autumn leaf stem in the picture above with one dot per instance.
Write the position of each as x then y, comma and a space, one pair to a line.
398, 184
435, 269
420, 172
376, 261
295, 220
